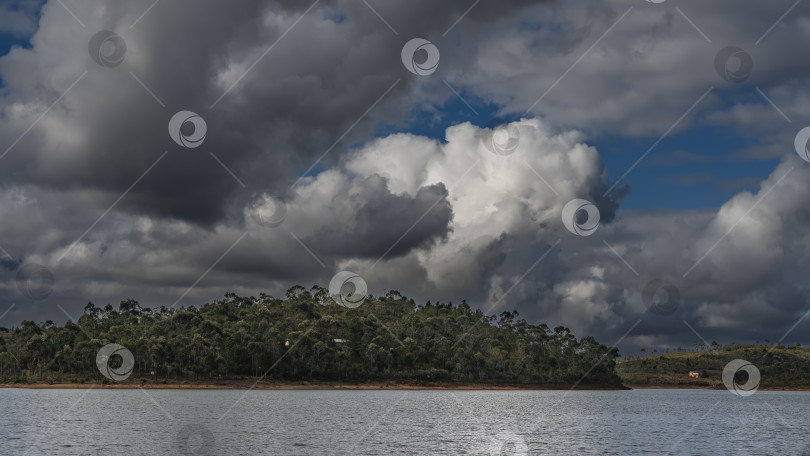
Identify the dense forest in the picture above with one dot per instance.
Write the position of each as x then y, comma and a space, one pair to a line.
307, 336
779, 366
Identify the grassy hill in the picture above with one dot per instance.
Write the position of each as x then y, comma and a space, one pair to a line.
779, 367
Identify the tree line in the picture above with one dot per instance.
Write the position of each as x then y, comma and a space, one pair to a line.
307, 336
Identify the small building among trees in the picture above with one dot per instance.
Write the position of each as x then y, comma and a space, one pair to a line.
339, 343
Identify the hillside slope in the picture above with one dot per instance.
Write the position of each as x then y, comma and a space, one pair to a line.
305, 336
779, 367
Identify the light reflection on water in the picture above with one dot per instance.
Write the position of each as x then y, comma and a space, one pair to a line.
296, 422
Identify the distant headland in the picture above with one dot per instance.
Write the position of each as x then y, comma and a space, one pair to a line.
306, 339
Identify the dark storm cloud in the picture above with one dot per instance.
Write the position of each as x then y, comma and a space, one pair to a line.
283, 114
385, 224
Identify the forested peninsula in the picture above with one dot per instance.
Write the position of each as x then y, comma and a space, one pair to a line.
305, 337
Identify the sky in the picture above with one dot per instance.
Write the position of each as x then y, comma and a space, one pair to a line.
628, 169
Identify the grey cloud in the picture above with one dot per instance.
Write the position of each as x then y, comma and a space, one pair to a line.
386, 224
654, 50
286, 111
18, 18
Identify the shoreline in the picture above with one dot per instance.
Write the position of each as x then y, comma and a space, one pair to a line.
720, 388
313, 386
236, 385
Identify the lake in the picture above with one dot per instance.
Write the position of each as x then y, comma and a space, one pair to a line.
301, 422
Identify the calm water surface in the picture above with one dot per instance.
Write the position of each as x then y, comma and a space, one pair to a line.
639, 422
